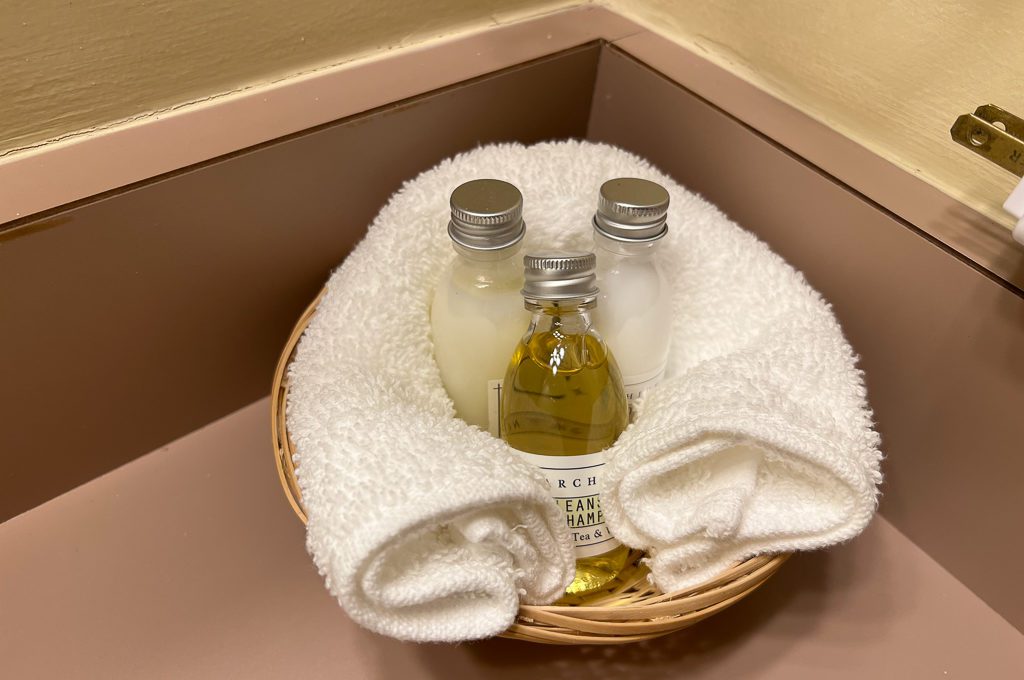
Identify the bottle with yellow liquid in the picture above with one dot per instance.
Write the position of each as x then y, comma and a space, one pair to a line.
563, 404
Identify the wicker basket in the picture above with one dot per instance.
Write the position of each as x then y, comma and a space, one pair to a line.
631, 611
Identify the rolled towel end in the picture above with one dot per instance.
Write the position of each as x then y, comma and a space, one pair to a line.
717, 476
444, 582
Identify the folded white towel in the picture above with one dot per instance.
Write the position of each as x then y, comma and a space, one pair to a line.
760, 440
425, 528
428, 529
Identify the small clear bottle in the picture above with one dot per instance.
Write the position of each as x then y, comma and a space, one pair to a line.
635, 305
563, 404
477, 313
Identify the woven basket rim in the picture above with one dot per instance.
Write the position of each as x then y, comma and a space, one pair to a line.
630, 611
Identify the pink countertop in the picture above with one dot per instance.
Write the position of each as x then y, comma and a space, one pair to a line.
188, 563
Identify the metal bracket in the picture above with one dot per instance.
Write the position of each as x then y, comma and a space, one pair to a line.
994, 134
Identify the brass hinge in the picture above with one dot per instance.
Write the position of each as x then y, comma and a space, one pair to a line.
994, 134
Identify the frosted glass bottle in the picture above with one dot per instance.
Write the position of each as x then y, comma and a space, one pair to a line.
477, 314
634, 311
563, 404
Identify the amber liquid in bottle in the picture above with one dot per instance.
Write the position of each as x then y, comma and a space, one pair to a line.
563, 396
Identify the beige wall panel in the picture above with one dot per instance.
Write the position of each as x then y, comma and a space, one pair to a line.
939, 340
891, 75
69, 67
133, 318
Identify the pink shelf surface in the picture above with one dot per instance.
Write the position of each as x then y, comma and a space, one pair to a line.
188, 563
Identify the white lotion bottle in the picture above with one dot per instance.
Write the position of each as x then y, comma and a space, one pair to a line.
477, 315
634, 310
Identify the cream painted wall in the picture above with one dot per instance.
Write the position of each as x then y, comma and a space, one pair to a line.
73, 65
890, 74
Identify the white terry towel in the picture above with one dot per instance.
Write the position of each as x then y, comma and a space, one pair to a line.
425, 528
428, 529
760, 439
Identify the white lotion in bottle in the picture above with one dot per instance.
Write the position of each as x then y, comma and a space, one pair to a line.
477, 315
634, 310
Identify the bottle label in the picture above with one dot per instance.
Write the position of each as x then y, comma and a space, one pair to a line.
576, 487
494, 407
636, 385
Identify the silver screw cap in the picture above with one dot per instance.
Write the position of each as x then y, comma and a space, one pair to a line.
632, 209
487, 214
559, 275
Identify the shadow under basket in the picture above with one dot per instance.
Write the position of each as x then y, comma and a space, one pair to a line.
630, 611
